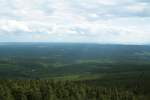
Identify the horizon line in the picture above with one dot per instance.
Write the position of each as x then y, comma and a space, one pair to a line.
77, 43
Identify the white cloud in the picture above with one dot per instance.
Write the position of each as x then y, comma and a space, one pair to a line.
137, 7
100, 21
12, 25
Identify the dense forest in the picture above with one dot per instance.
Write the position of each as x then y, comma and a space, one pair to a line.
66, 90
60, 71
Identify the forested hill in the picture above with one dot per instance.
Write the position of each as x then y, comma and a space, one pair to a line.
68, 71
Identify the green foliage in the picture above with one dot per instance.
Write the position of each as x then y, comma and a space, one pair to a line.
62, 90
95, 72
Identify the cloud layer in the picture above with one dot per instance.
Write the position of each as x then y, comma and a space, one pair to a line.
94, 21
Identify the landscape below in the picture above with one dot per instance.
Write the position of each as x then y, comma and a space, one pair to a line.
69, 71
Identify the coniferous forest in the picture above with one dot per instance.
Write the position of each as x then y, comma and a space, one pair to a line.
66, 90
46, 71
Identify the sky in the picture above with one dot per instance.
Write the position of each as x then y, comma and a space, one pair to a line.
88, 21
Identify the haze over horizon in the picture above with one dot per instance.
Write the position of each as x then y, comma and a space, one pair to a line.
82, 21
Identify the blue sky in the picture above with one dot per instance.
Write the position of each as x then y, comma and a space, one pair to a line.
94, 21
